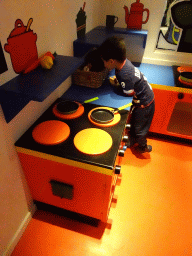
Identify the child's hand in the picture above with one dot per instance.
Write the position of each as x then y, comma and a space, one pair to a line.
113, 81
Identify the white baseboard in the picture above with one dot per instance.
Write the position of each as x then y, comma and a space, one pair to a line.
164, 62
19, 232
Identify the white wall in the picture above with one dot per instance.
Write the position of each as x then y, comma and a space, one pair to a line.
54, 23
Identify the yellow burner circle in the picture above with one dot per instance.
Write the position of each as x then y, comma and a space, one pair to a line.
93, 141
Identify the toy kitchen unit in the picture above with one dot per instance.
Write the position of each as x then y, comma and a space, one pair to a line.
71, 161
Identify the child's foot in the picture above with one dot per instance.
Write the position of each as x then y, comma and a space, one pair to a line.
141, 150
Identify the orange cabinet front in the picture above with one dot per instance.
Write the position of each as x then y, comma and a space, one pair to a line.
173, 112
90, 191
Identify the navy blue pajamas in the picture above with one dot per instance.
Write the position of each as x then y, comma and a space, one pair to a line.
140, 123
129, 77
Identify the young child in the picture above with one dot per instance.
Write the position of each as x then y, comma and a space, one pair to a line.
132, 83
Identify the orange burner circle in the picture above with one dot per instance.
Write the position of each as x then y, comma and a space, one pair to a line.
51, 132
116, 120
74, 115
185, 82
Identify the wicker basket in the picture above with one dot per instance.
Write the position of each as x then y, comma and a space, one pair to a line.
89, 78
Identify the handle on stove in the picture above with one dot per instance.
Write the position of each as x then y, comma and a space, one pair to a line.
62, 190
125, 138
121, 152
117, 169
117, 110
128, 127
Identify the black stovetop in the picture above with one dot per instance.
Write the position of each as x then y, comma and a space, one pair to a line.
67, 148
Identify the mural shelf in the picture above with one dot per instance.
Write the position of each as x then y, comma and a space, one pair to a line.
36, 85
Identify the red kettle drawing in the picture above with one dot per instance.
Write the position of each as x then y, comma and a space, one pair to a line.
134, 19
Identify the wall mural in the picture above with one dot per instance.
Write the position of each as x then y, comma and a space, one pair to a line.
176, 27
81, 22
21, 45
134, 17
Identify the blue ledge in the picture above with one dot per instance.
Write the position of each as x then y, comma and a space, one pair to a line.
36, 85
125, 31
97, 36
40, 83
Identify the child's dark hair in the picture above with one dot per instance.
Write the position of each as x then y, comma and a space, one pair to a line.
113, 48
94, 59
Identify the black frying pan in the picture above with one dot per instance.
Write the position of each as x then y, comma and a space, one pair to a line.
102, 116
105, 116
68, 107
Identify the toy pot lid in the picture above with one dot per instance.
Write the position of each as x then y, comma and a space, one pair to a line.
137, 5
19, 28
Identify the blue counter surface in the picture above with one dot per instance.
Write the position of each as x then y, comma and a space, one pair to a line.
106, 94
158, 74
155, 74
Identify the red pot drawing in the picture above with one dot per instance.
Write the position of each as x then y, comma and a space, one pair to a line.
22, 46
